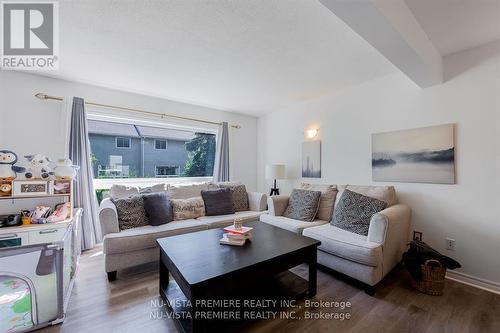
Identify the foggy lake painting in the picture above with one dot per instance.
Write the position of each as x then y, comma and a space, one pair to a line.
311, 159
420, 155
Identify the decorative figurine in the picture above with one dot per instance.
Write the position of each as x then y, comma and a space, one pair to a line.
65, 169
8, 171
38, 167
238, 223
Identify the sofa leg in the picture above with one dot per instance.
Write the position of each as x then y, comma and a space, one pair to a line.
111, 276
370, 290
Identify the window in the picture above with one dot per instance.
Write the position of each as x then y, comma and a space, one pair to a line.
160, 144
129, 149
122, 142
167, 171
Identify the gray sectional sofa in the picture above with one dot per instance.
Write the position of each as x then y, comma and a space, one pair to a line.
131, 247
365, 258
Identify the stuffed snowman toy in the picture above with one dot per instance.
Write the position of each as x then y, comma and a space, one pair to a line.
8, 171
65, 169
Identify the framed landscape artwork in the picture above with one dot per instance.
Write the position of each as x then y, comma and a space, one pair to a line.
420, 155
311, 159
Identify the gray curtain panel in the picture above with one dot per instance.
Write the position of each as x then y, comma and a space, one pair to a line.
221, 167
84, 194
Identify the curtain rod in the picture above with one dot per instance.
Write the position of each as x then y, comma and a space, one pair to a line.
43, 96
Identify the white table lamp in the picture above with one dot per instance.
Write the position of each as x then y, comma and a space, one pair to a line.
274, 172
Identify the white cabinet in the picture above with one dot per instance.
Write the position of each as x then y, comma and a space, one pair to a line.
46, 235
14, 238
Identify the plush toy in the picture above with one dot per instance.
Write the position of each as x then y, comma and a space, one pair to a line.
65, 169
8, 171
38, 167
61, 213
5, 189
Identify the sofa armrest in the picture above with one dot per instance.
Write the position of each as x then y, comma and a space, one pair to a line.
108, 217
390, 228
276, 204
392, 221
257, 201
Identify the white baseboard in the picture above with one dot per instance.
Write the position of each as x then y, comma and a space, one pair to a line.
473, 281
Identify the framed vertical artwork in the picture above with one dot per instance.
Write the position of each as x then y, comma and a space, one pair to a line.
311, 159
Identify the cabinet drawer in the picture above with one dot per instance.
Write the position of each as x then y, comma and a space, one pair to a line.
14, 239
47, 235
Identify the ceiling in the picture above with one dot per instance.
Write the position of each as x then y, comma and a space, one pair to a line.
457, 25
244, 56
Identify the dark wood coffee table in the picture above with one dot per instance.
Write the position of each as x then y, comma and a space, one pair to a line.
205, 270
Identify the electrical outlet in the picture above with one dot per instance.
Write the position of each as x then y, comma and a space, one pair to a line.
417, 235
450, 244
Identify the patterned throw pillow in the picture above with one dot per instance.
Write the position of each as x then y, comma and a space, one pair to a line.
326, 201
240, 196
185, 209
354, 212
131, 213
302, 205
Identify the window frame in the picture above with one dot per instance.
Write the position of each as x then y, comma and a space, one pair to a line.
166, 144
123, 137
102, 114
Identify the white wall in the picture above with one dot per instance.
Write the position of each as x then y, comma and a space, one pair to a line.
28, 125
467, 211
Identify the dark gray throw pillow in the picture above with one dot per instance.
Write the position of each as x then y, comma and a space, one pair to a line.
302, 205
131, 213
158, 208
354, 212
218, 202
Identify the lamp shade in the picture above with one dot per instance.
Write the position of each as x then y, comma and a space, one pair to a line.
275, 171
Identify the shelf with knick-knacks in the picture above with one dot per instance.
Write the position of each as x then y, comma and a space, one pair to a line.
48, 185
30, 189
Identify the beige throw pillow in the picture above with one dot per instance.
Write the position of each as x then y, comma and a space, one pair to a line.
185, 209
326, 201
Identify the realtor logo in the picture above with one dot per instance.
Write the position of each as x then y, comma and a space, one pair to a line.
30, 35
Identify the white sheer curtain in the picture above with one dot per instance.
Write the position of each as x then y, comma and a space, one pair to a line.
84, 194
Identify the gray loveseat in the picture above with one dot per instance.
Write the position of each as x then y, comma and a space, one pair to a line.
131, 247
365, 258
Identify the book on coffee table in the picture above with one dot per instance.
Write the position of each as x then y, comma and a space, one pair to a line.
228, 241
242, 231
234, 236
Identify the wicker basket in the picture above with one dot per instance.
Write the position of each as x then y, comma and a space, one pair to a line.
432, 282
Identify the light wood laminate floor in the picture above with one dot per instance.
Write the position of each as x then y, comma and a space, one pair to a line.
127, 305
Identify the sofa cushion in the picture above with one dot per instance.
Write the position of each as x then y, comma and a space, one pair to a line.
240, 196
185, 209
157, 188
186, 191
218, 201
354, 212
302, 205
345, 244
289, 224
383, 193
125, 191
122, 191
225, 220
131, 213
145, 237
158, 208
326, 201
